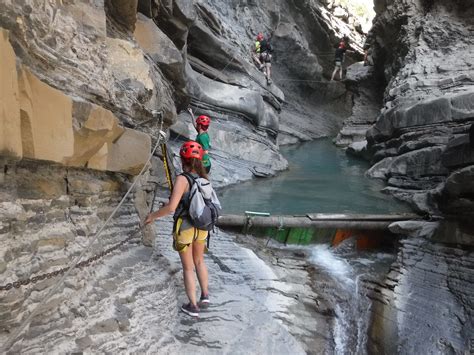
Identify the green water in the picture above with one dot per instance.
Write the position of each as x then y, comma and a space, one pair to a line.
321, 178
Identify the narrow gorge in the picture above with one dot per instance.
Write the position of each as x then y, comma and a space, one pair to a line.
89, 87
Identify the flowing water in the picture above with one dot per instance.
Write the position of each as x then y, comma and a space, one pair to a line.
350, 272
321, 178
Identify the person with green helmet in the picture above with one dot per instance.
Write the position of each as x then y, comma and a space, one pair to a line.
256, 51
202, 125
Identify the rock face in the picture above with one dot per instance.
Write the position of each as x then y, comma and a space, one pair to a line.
428, 289
10, 138
422, 55
83, 87
425, 51
367, 97
42, 123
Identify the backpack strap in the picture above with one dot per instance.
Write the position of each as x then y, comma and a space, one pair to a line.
183, 205
191, 181
190, 178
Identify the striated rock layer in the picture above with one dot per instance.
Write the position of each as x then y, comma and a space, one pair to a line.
422, 54
83, 87
426, 303
425, 51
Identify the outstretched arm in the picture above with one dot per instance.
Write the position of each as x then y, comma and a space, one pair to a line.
178, 191
190, 111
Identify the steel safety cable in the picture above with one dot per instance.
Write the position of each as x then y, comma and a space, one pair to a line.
11, 339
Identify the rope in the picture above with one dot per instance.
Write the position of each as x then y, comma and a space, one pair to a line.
164, 150
309, 81
11, 339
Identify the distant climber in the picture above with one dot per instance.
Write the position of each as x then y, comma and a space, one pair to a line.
266, 51
262, 55
188, 240
202, 125
366, 56
339, 58
256, 51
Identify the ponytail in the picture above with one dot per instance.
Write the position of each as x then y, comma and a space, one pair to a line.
194, 164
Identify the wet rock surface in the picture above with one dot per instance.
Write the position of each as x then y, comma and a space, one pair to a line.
85, 85
107, 68
423, 51
131, 302
429, 288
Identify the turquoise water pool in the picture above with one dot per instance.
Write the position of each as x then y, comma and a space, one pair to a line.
321, 178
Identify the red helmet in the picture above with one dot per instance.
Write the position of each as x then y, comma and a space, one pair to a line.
260, 37
191, 149
203, 120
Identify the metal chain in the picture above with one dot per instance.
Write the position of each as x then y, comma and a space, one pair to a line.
81, 264
11, 339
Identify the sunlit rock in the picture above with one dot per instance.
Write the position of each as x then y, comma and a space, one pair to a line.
46, 113
94, 126
10, 123
128, 154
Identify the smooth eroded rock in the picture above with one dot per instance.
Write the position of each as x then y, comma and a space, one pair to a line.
46, 115
128, 154
10, 124
463, 106
94, 126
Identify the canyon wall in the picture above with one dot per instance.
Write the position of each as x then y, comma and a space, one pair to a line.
87, 85
422, 54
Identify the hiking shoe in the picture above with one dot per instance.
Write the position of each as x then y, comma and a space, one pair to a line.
204, 301
190, 309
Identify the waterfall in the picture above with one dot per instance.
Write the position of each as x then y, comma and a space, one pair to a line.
347, 295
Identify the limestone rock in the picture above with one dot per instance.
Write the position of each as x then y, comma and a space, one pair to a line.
358, 72
124, 12
418, 163
428, 97
457, 195
361, 81
94, 126
428, 291
415, 229
458, 153
461, 182
128, 154
245, 102
161, 49
46, 120
10, 124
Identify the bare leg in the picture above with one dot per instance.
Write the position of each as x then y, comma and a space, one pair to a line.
334, 74
269, 70
188, 274
257, 61
201, 269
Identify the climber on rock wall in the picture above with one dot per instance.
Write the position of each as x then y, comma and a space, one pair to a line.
266, 50
339, 58
256, 51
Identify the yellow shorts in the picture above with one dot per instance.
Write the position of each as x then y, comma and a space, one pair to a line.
184, 238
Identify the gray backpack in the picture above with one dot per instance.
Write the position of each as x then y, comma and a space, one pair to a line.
203, 204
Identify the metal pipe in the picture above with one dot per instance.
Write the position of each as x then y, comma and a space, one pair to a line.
304, 222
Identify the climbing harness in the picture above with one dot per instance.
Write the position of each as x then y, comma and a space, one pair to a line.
74, 264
